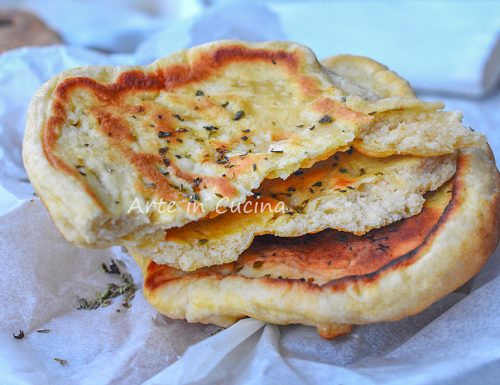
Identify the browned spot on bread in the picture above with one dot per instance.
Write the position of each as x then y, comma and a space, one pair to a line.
309, 86
423, 230
333, 330
245, 164
174, 76
239, 53
110, 95
329, 106
113, 127
146, 166
328, 259
332, 254
154, 278
222, 185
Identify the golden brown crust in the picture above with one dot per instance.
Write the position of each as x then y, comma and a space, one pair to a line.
370, 74
189, 117
334, 278
328, 258
348, 192
166, 79
315, 198
103, 144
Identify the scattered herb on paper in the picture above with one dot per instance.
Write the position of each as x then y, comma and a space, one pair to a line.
18, 336
61, 361
127, 288
112, 268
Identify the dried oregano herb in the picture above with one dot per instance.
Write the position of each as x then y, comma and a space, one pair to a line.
221, 155
325, 119
238, 115
127, 288
112, 268
194, 197
196, 182
18, 336
163, 134
61, 361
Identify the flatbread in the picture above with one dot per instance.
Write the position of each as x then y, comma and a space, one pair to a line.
187, 128
369, 74
332, 280
105, 146
349, 192
402, 123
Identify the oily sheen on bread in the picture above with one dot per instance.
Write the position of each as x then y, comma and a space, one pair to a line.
333, 280
349, 192
104, 145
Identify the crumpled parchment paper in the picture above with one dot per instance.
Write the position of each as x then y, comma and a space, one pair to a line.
457, 340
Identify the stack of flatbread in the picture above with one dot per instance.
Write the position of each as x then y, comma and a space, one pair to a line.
252, 180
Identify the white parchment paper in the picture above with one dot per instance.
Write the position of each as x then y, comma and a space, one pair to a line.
439, 46
457, 340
